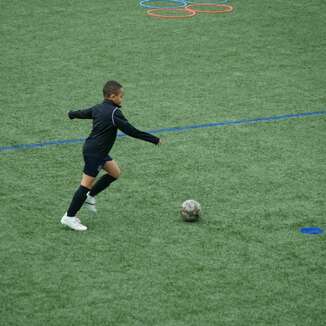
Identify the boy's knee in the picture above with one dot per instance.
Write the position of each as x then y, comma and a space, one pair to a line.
116, 174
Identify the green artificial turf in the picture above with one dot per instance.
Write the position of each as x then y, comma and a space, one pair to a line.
245, 262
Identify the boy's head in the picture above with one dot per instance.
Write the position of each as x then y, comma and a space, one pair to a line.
113, 91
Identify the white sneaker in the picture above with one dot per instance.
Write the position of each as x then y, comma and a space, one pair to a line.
90, 203
73, 223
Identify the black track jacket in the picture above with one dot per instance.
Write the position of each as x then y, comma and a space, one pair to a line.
107, 119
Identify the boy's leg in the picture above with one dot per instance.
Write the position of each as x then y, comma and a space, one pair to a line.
112, 168
113, 173
80, 195
70, 219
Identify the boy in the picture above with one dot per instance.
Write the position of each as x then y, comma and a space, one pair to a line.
107, 119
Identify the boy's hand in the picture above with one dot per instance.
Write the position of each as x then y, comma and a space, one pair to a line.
161, 142
70, 115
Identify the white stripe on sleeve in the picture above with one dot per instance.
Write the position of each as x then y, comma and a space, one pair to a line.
113, 116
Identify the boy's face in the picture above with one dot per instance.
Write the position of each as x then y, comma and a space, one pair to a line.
117, 98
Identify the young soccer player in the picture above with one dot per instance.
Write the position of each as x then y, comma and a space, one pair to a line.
107, 119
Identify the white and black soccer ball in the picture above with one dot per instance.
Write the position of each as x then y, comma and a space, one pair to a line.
190, 210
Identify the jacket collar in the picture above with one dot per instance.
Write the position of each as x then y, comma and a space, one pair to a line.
111, 102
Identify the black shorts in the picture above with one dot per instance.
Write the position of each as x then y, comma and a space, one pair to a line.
93, 164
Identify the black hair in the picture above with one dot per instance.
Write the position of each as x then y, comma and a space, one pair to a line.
111, 87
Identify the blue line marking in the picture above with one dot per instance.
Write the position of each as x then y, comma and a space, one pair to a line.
176, 129
240, 122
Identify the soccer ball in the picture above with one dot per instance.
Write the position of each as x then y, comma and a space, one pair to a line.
190, 210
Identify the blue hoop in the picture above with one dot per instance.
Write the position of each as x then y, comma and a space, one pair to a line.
178, 4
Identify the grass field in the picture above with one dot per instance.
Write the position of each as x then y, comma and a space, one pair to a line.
245, 263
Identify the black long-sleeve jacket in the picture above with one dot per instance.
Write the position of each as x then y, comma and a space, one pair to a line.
107, 119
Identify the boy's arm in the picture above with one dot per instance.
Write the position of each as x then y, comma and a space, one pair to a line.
81, 114
122, 123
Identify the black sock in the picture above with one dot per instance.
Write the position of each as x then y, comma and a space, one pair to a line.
101, 184
77, 201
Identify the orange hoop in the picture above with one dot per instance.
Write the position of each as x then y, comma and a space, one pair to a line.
227, 8
152, 13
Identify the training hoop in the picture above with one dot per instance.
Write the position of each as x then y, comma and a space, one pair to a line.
152, 13
178, 4
227, 8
